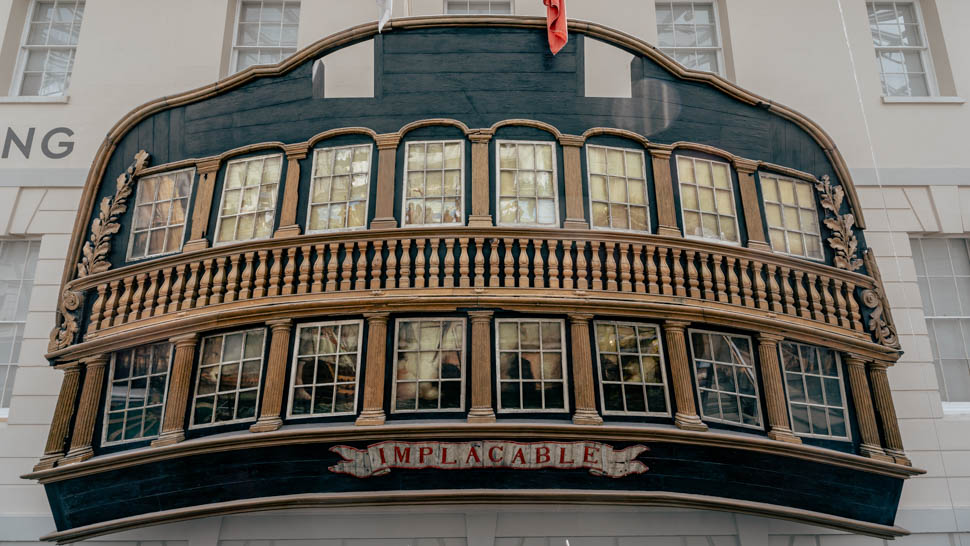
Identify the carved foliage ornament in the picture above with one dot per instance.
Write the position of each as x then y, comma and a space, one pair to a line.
880, 319
843, 240
63, 334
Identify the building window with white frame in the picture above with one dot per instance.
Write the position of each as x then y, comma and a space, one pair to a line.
816, 394
478, 7
248, 207
161, 206
434, 183
326, 369
137, 389
726, 380
230, 373
49, 47
18, 263
532, 365
339, 188
429, 365
688, 32
527, 192
792, 215
707, 199
633, 380
901, 51
617, 188
943, 273
266, 32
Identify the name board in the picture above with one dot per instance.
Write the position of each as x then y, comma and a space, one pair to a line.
378, 459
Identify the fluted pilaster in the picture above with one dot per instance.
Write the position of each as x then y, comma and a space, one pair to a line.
270, 414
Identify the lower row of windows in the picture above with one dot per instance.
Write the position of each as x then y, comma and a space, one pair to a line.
429, 372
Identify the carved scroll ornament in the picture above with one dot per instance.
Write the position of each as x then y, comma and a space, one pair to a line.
843, 240
63, 334
880, 319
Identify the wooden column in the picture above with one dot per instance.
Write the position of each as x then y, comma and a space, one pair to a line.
893, 440
865, 416
776, 408
291, 191
61, 423
373, 411
664, 184
481, 376
179, 385
686, 412
387, 158
572, 147
87, 410
202, 205
270, 411
751, 203
480, 216
582, 359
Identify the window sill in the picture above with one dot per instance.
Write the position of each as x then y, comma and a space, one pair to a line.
60, 99
923, 100
956, 409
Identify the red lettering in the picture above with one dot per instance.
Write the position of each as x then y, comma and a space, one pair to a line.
381, 451
587, 451
542, 455
473, 453
562, 457
444, 456
491, 454
424, 452
402, 456
518, 456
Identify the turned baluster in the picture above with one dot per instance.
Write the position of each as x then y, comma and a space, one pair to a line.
332, 267
360, 281
625, 284
136, 299
479, 262
161, 302
109, 305
611, 283
122, 313
377, 265
261, 271
678, 274
304, 276
746, 292
733, 289
493, 260
434, 260
553, 246
95, 319
391, 264
815, 297
176, 297
665, 287
274, 273
581, 282
568, 269
693, 282
787, 291
706, 281
802, 296
538, 265
523, 263
596, 265
638, 284
188, 301
652, 286
759, 286
853, 306
773, 289
841, 305
232, 281
289, 271
346, 266
246, 285
148, 305
449, 269
508, 279
405, 279
829, 301
464, 281
719, 279
218, 281
419, 264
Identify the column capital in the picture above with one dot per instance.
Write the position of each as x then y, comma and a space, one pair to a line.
96, 361
387, 141
296, 151
746, 165
572, 140
280, 324
481, 136
381, 316
661, 153
481, 316
580, 317
676, 325
208, 166
879, 365
185, 340
774, 339
853, 360
73, 366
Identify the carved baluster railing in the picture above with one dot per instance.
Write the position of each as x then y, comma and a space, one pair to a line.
652, 286
596, 265
774, 291
275, 273
747, 294
693, 281
665, 287
625, 284
706, 279
148, 304
262, 270
122, 315
419, 264
802, 295
553, 263
303, 285
176, 298
109, 304
377, 265
678, 274
137, 297
464, 280
96, 309
449, 269
479, 262
246, 284
332, 267
493, 260
816, 298
733, 289
759, 286
568, 265
232, 281
581, 282
786, 289
218, 281
719, 279
523, 262
360, 281
829, 301
841, 306
161, 299
611, 284
853, 306
405, 278
638, 285
433, 262
347, 265
508, 270
391, 264
538, 265
188, 300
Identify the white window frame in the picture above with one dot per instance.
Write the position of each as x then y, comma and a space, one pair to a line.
293, 386
215, 394
234, 56
464, 367
932, 87
807, 404
786, 231
736, 394
683, 220
222, 201
313, 181
511, 3
541, 381
718, 49
498, 184
107, 398
10, 368
663, 370
16, 82
646, 189
461, 177
185, 223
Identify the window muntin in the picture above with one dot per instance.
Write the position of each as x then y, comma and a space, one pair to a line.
248, 206
266, 33
434, 183
943, 274
617, 188
476, 7
901, 51
688, 32
707, 199
527, 189
137, 389
161, 207
339, 188
816, 394
18, 264
727, 385
532, 365
326, 369
49, 47
633, 379
792, 216
429, 365
230, 374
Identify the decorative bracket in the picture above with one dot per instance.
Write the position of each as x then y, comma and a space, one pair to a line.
64, 333
880, 319
843, 240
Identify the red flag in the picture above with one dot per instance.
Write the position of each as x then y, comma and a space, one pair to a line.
556, 23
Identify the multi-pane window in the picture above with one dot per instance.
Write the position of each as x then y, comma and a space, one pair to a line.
943, 273
527, 184
476, 7
265, 32
339, 188
792, 216
249, 199
631, 367
433, 192
161, 206
532, 370
49, 46
816, 396
18, 261
230, 370
617, 188
901, 52
326, 369
726, 381
137, 387
707, 199
429, 365
687, 31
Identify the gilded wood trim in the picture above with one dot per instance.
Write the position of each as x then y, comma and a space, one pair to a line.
893, 440
271, 405
535, 124
865, 416
685, 414
373, 409
572, 147
387, 158
664, 187
481, 370
753, 221
291, 191
581, 357
481, 215
177, 401
202, 205
63, 413
87, 411
776, 406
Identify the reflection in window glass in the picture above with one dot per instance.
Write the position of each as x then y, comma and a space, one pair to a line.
18, 263
726, 381
161, 205
266, 32
816, 397
617, 188
433, 183
631, 367
49, 48
707, 199
326, 369
527, 184
687, 31
532, 370
230, 370
429, 365
339, 188
792, 216
901, 52
249, 199
476, 7
137, 388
